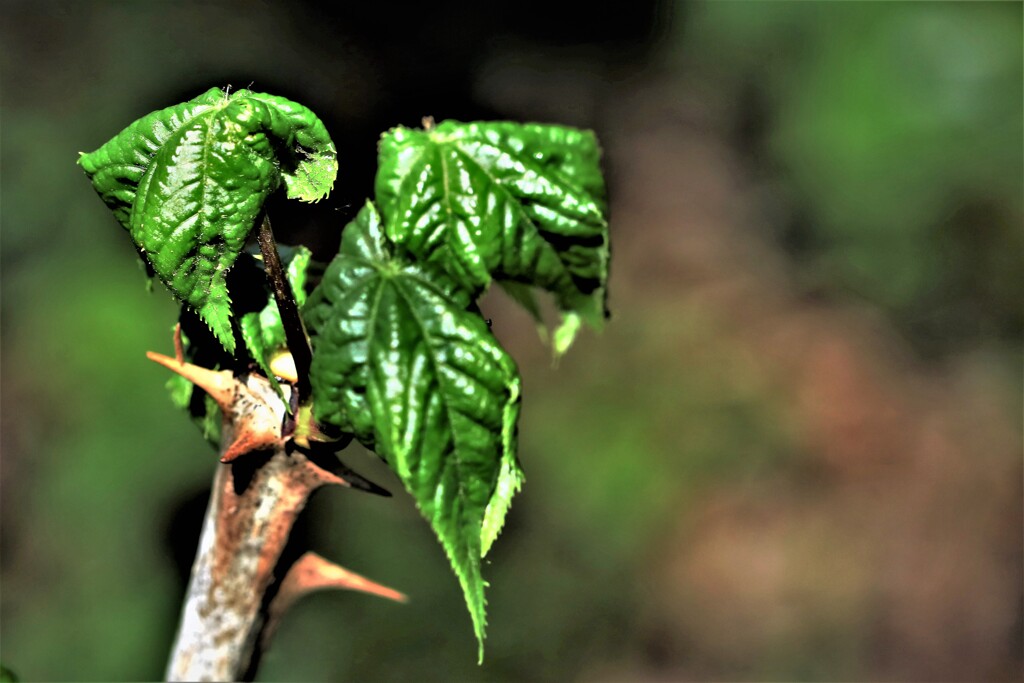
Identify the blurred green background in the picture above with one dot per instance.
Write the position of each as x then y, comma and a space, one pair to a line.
795, 453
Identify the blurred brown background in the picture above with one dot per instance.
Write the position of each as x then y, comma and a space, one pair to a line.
794, 454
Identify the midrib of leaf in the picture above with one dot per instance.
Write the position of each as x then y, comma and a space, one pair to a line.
437, 371
205, 180
515, 202
371, 332
564, 185
178, 134
452, 228
147, 135
207, 144
469, 576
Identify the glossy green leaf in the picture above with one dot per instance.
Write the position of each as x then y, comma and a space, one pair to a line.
510, 480
521, 202
401, 362
189, 181
262, 333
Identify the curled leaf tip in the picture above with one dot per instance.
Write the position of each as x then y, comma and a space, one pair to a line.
189, 181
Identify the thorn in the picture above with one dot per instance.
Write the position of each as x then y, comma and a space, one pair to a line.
312, 572
327, 478
221, 386
256, 426
247, 441
330, 470
361, 483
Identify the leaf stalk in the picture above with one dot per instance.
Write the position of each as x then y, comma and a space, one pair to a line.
294, 331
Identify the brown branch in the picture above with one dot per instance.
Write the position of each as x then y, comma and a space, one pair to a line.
253, 506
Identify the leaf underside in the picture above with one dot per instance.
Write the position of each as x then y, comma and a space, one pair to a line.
402, 362
188, 182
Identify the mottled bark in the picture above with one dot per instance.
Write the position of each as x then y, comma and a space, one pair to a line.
259, 489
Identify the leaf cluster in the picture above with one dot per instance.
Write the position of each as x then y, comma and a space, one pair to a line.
402, 359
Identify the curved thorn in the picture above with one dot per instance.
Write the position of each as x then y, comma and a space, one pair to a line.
220, 386
247, 441
332, 471
312, 572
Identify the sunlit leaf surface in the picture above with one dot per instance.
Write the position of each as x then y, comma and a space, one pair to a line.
519, 202
402, 362
189, 181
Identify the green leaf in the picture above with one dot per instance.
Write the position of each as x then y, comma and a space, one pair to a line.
566, 333
521, 202
263, 331
189, 181
401, 362
510, 480
117, 168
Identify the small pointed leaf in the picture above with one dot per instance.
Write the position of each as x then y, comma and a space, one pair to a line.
401, 362
189, 181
